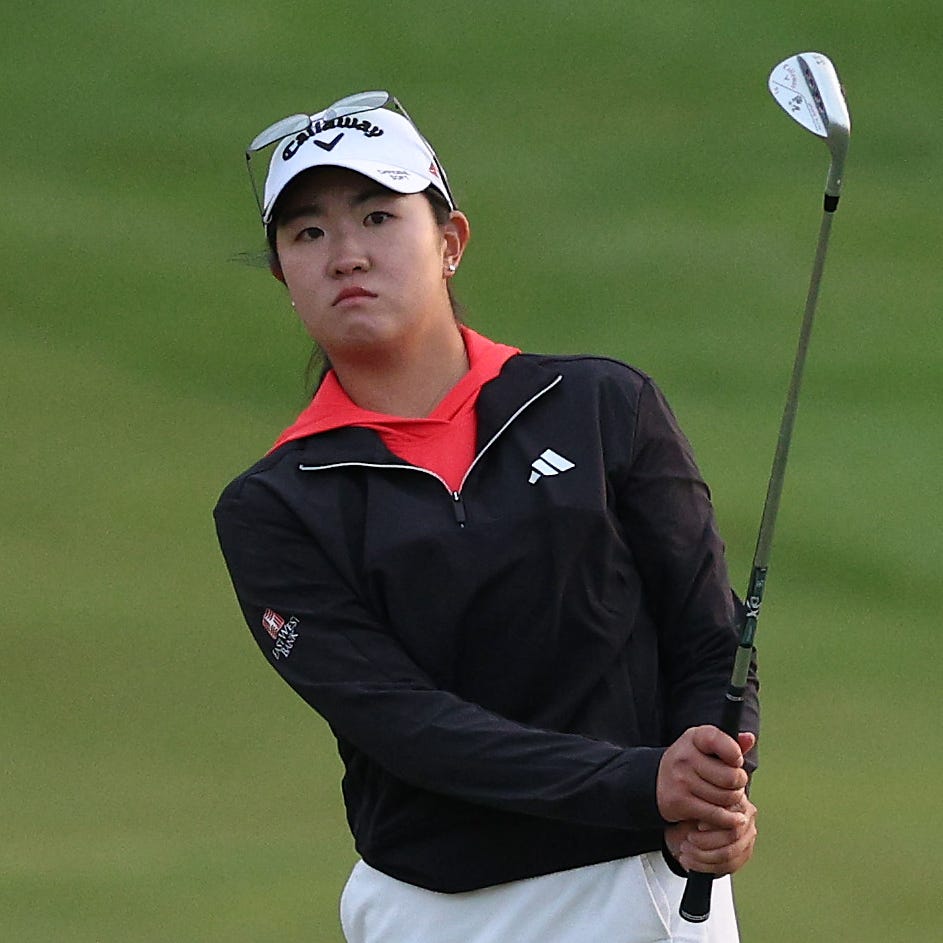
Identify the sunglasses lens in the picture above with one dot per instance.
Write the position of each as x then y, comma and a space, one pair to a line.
362, 101
277, 131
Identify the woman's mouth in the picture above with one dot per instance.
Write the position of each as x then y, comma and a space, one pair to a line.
352, 291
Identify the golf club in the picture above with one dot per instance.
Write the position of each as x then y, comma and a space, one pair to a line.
806, 86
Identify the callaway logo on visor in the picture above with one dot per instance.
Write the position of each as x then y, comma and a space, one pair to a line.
367, 128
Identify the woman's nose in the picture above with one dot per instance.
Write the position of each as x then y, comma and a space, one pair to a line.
350, 262
348, 254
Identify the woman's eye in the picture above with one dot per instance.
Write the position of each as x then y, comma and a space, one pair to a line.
377, 217
310, 232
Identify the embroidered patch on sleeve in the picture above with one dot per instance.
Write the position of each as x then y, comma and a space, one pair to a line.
282, 632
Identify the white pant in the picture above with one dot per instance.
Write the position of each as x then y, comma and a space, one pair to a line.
633, 900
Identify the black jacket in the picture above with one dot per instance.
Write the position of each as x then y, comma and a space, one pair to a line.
502, 666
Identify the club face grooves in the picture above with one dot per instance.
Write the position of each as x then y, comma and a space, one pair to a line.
813, 89
806, 86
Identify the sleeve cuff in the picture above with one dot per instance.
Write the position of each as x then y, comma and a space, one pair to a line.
671, 861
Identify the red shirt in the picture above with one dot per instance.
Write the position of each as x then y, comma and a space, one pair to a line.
443, 441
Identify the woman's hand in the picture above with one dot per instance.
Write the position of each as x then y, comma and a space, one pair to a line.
701, 778
698, 847
701, 788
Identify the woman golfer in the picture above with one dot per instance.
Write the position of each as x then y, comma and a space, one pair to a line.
496, 575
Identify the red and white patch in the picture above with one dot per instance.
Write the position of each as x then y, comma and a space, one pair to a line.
272, 622
433, 169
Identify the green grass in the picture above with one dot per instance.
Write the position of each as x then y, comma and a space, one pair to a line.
632, 190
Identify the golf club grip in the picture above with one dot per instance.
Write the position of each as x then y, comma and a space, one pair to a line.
696, 900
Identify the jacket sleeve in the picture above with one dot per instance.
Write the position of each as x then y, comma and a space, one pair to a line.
341, 659
666, 509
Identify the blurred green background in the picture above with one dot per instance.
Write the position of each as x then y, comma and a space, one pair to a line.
634, 191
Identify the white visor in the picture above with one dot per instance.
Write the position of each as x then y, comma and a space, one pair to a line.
379, 144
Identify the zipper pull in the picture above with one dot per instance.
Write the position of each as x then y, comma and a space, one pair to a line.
458, 506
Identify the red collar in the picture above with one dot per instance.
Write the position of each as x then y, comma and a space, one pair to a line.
332, 408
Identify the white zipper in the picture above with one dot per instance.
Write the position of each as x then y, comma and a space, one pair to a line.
513, 416
458, 504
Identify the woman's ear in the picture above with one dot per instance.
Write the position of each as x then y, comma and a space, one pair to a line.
275, 268
456, 232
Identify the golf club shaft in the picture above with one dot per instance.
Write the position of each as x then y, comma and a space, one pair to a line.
696, 901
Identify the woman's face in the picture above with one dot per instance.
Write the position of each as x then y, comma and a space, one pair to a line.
366, 268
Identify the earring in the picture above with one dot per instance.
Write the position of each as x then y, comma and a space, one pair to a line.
452, 268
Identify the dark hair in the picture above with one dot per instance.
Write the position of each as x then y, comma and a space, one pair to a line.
318, 362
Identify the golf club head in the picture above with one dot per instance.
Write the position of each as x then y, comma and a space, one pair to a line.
807, 88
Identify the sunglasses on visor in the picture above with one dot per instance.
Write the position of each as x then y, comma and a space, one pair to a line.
350, 105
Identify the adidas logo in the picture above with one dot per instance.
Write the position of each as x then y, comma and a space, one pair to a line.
549, 463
